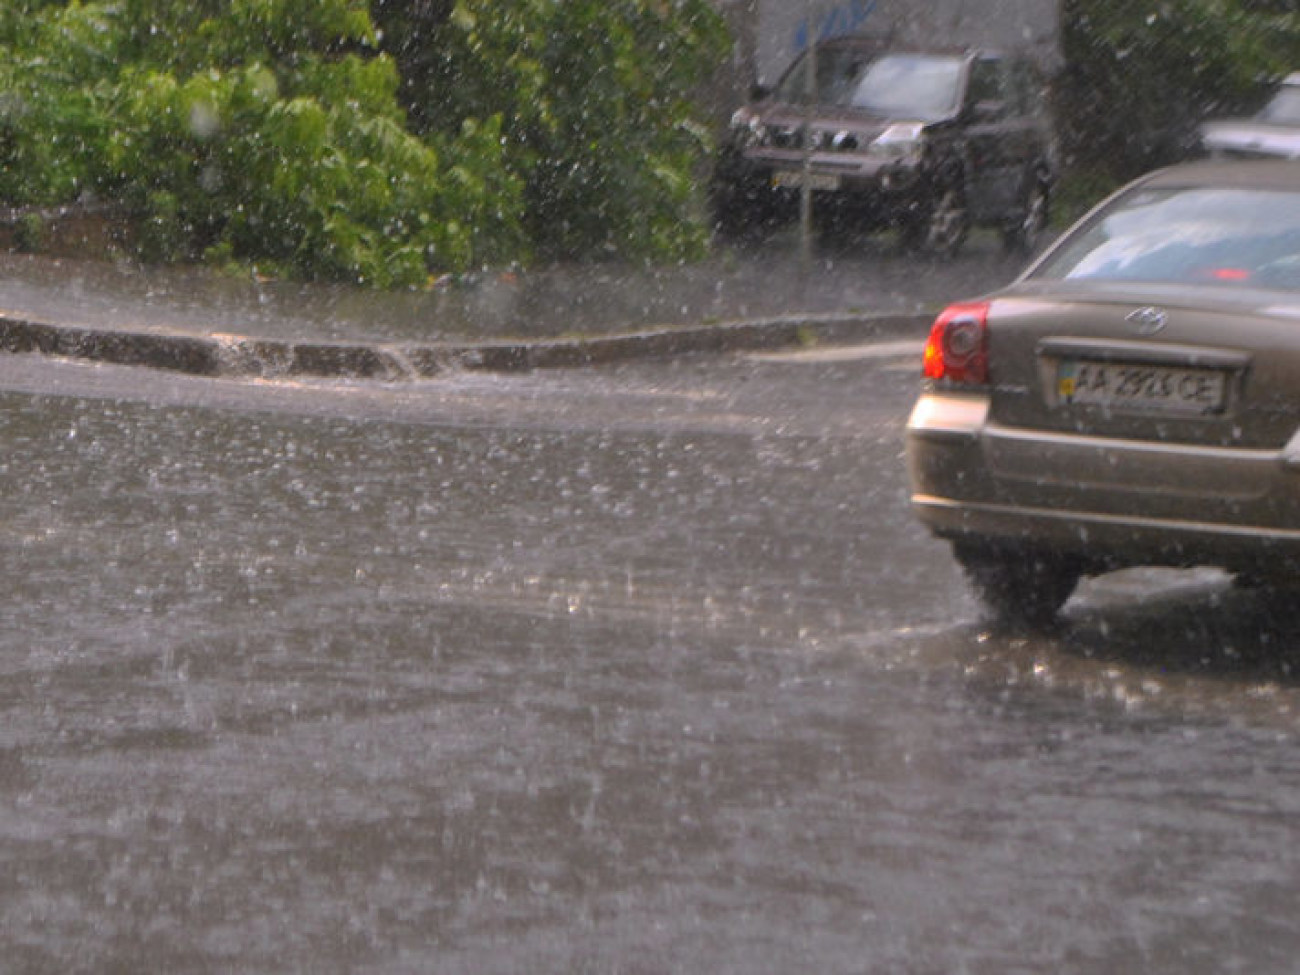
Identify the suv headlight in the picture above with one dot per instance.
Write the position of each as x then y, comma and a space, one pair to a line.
746, 128
898, 142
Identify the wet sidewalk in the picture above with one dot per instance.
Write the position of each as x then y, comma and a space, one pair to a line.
201, 321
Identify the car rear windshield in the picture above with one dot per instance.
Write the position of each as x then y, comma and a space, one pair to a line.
915, 87
1228, 236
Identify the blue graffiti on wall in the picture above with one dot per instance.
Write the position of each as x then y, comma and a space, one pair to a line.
844, 19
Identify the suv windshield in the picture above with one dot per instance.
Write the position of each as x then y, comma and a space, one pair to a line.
912, 86
923, 87
1194, 235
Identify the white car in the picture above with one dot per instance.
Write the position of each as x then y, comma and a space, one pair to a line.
1272, 133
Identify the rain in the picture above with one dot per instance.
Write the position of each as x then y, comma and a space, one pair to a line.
591, 630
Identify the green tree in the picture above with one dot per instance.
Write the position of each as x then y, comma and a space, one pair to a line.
295, 135
265, 131
1140, 75
595, 105
51, 113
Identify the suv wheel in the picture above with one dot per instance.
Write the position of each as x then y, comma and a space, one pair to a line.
1018, 586
1023, 234
940, 226
742, 213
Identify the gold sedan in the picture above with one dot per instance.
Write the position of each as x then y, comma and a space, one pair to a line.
1132, 399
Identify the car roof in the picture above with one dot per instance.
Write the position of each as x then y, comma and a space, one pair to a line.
884, 45
1270, 174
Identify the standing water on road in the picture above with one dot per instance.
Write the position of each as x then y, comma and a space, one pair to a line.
637, 670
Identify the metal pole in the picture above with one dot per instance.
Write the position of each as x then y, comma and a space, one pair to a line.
805, 191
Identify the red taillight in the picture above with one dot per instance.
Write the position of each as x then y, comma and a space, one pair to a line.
958, 350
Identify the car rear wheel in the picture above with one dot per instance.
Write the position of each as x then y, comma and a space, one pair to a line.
1018, 585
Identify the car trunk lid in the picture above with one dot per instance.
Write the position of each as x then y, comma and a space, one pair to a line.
1174, 365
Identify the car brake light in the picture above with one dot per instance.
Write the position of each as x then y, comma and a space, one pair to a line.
958, 347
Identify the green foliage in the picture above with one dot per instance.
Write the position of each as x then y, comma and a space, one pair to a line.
1140, 75
29, 233
162, 231
594, 101
1078, 190
275, 132
50, 107
262, 131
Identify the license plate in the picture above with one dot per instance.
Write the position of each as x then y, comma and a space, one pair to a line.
1144, 388
793, 179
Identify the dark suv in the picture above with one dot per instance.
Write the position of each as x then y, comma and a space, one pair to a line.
926, 141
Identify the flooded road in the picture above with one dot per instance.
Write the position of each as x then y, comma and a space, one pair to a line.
638, 670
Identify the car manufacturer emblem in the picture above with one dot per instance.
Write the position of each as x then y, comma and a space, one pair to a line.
1148, 320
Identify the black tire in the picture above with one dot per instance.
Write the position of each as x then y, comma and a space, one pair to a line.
1024, 233
938, 226
1019, 586
744, 207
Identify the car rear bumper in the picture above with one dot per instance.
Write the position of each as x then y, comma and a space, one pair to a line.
1112, 541
1111, 502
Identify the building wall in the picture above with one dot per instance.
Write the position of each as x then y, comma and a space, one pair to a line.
780, 29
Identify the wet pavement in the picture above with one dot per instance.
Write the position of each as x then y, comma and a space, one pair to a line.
634, 670
864, 279
639, 670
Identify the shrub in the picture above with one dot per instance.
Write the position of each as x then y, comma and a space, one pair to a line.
276, 131
266, 131
29, 233
594, 99
1140, 77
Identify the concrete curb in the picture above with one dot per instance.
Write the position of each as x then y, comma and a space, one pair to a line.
233, 355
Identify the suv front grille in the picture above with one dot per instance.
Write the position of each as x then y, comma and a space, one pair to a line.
823, 140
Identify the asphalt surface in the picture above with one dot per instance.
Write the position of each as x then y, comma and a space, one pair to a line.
638, 670
206, 323
643, 669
